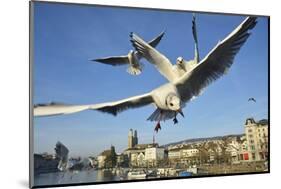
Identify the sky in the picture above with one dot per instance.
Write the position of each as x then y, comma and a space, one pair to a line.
66, 37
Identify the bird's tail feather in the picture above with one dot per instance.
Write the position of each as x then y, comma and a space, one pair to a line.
161, 115
134, 71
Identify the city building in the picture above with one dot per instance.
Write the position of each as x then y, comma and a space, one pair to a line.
101, 159
257, 139
243, 149
135, 138
153, 155
188, 152
174, 154
122, 160
45, 163
233, 148
132, 138
137, 153
107, 159
189, 155
230, 149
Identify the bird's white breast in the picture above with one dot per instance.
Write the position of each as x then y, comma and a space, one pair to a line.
160, 94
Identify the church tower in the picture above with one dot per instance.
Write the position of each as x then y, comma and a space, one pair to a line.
130, 139
135, 138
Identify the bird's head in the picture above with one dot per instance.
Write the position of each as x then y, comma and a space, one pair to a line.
179, 60
173, 102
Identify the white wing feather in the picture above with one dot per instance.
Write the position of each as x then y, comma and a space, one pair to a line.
216, 63
161, 62
111, 107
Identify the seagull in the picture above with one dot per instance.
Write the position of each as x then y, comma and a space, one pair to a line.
171, 97
182, 66
252, 99
132, 58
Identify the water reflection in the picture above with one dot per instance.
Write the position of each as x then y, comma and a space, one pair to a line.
74, 177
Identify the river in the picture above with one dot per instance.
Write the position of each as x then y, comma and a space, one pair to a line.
56, 178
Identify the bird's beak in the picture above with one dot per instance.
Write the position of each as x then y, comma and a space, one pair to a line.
180, 112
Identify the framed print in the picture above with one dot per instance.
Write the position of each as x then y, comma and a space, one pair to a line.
122, 94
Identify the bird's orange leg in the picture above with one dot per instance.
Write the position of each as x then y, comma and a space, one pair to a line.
158, 126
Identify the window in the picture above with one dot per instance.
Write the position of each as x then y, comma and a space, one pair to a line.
253, 147
249, 130
261, 155
241, 157
253, 156
251, 141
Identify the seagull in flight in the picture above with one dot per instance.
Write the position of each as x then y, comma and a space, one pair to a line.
171, 97
252, 99
132, 58
182, 65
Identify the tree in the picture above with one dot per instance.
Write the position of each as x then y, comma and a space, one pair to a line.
203, 153
225, 155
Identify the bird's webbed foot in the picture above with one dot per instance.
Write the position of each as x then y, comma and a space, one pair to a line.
175, 120
157, 127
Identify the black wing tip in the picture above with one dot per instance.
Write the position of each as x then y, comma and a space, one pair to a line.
94, 60
132, 34
162, 33
97, 60
109, 110
53, 103
251, 22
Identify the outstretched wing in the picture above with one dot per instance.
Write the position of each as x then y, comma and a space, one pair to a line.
113, 60
51, 109
154, 42
111, 107
194, 32
116, 107
162, 63
216, 63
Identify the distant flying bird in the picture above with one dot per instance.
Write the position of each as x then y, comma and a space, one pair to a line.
171, 97
132, 58
252, 99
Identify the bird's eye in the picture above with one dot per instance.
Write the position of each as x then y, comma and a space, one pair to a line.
171, 104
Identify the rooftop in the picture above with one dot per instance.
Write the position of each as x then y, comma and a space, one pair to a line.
252, 121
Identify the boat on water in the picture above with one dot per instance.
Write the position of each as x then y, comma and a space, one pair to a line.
185, 174
136, 175
151, 174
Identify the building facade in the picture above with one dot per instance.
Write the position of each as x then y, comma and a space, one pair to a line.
107, 159
257, 139
174, 154
154, 155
